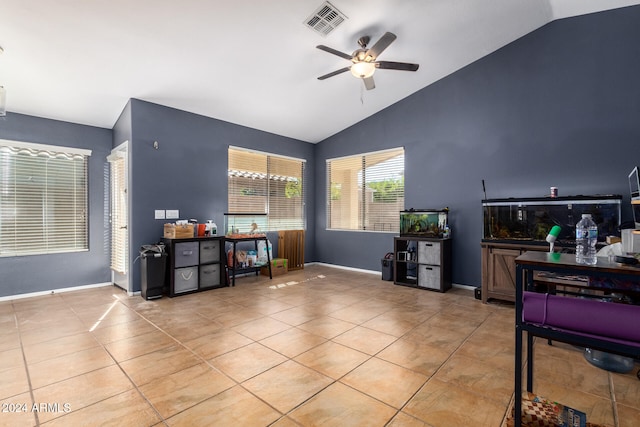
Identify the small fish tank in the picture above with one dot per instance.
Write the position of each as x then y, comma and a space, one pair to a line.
531, 219
424, 222
245, 225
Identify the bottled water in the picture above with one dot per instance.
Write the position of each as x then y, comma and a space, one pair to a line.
586, 239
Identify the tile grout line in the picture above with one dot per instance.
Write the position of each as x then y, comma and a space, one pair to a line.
202, 359
135, 386
237, 384
451, 354
26, 365
612, 396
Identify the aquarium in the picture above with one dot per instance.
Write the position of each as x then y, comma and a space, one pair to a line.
240, 225
424, 223
530, 219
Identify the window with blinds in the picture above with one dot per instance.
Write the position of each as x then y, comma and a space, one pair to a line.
43, 199
366, 192
269, 184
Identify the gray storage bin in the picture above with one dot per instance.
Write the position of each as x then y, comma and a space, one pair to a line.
185, 279
186, 253
209, 275
429, 276
429, 253
209, 251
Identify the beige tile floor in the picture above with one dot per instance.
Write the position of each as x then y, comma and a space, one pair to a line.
320, 346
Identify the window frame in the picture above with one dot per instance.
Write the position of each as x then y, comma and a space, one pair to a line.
271, 191
358, 171
53, 216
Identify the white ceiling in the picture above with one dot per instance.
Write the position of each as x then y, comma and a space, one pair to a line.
248, 62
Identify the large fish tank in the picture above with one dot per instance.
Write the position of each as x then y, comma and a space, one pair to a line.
530, 219
245, 225
424, 222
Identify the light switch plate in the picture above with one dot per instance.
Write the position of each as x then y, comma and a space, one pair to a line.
159, 214
173, 214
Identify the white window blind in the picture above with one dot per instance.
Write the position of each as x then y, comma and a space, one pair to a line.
43, 199
119, 246
269, 184
366, 191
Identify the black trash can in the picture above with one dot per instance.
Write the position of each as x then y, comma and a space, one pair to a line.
153, 261
387, 267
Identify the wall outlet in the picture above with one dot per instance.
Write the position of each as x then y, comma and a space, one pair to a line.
159, 214
173, 214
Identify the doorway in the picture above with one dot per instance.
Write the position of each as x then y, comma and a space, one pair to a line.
119, 216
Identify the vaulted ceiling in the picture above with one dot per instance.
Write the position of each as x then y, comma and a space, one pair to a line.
249, 62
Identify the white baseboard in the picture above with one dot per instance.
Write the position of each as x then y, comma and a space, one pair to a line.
54, 291
343, 267
467, 287
455, 285
99, 285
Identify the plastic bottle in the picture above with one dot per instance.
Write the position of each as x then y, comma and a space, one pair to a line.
608, 361
214, 229
586, 239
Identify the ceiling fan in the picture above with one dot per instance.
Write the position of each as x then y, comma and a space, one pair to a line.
364, 60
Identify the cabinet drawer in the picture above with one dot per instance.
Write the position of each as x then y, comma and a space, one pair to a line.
185, 279
429, 253
429, 277
209, 251
209, 275
186, 253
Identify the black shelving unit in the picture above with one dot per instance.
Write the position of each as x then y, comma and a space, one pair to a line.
233, 269
195, 264
422, 262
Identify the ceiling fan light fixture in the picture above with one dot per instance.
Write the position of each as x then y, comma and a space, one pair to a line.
363, 70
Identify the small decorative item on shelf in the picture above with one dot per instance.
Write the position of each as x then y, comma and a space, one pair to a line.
178, 231
539, 411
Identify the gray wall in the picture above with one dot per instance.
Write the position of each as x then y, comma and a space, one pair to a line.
188, 172
33, 273
558, 107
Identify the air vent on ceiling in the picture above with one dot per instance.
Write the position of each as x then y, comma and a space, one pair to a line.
325, 19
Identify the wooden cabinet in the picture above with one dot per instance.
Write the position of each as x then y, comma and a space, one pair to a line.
195, 264
499, 269
422, 262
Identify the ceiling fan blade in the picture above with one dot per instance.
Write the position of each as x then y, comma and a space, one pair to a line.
381, 45
368, 83
335, 52
334, 73
388, 65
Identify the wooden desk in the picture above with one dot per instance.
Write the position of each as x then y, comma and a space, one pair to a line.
526, 265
